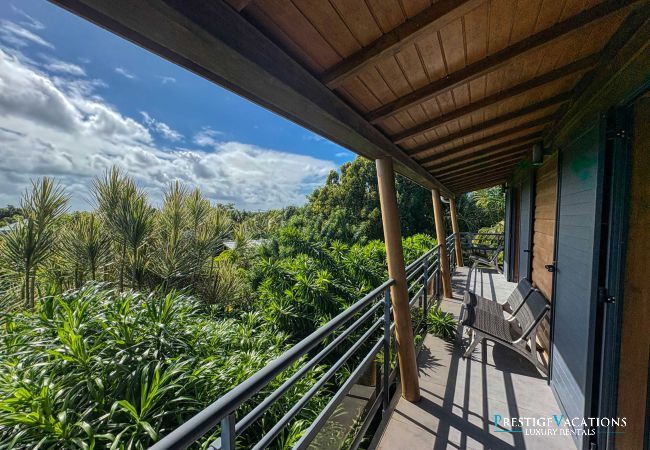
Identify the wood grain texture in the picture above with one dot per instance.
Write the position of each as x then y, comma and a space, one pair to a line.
635, 338
544, 226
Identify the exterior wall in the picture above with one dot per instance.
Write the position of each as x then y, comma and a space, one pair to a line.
544, 225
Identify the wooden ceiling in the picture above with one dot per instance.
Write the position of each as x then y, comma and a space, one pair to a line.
455, 91
464, 87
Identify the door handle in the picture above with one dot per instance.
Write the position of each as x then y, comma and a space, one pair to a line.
550, 267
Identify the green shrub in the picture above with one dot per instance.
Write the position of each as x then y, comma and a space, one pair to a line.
97, 369
442, 324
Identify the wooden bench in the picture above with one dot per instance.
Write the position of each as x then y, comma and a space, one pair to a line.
518, 330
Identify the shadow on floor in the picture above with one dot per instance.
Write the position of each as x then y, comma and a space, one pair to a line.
462, 396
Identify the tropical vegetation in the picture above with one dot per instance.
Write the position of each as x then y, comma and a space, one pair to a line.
119, 323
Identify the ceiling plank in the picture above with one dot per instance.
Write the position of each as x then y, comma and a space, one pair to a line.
499, 175
528, 139
481, 171
510, 154
499, 58
239, 5
488, 139
529, 109
212, 40
635, 27
431, 19
487, 184
554, 75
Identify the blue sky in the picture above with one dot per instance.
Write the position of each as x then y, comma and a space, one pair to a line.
75, 99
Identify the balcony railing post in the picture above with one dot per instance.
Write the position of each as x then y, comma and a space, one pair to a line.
438, 274
228, 432
425, 302
386, 375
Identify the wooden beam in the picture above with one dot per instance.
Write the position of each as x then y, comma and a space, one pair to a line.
554, 75
214, 41
527, 139
399, 291
529, 109
482, 171
485, 170
239, 5
481, 176
488, 139
486, 163
441, 237
478, 160
485, 185
456, 230
631, 35
459, 187
499, 59
430, 20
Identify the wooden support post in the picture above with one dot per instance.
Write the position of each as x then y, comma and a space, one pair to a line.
456, 231
441, 236
399, 291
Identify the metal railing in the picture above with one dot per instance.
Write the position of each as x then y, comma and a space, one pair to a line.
481, 244
373, 313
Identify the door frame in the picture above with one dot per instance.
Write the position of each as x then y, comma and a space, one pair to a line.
620, 129
558, 192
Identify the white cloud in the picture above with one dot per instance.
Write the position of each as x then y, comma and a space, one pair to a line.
125, 73
16, 35
29, 20
166, 79
52, 127
56, 65
207, 137
161, 127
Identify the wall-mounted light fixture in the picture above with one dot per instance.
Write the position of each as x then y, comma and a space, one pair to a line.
538, 154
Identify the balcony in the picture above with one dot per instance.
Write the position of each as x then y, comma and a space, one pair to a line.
461, 396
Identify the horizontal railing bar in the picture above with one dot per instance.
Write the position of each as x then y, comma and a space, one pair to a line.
420, 280
209, 417
416, 296
421, 258
252, 416
295, 409
317, 424
367, 421
413, 274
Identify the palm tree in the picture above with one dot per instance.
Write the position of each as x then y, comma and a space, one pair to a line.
208, 229
108, 192
125, 210
34, 239
135, 222
86, 244
172, 249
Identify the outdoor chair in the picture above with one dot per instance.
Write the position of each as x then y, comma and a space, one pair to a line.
491, 261
517, 331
